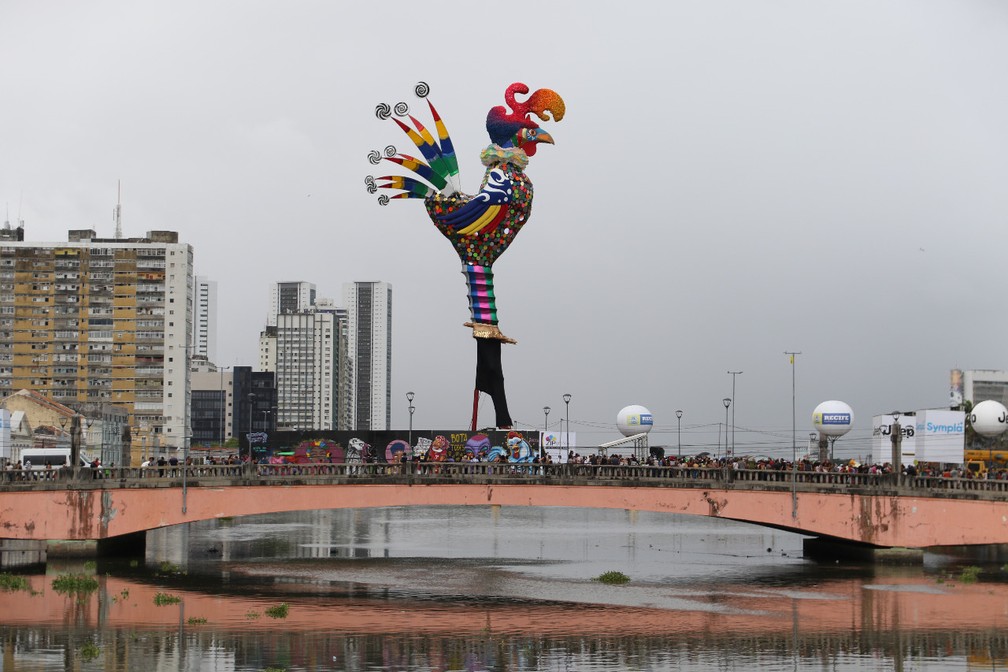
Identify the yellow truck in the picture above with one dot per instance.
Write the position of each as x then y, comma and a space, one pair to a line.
979, 461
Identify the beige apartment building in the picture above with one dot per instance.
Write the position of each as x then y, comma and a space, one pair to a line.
101, 320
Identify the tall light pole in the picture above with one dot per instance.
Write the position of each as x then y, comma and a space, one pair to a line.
567, 398
794, 439
251, 399
409, 398
223, 415
727, 402
542, 446
734, 405
678, 417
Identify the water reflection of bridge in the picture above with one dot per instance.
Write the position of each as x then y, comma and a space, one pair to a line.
838, 619
870, 509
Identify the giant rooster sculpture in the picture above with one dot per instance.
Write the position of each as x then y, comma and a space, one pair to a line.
481, 226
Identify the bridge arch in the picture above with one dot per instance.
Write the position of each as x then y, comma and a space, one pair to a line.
97, 511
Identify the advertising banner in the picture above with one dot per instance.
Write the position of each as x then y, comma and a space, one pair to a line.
882, 438
557, 443
941, 436
956, 387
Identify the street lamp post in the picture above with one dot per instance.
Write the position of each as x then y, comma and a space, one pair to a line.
545, 424
87, 439
733, 374
794, 440
727, 402
567, 398
185, 470
224, 405
678, 417
409, 398
542, 444
251, 400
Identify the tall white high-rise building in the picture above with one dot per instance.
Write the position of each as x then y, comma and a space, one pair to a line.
289, 297
306, 347
369, 311
306, 370
205, 318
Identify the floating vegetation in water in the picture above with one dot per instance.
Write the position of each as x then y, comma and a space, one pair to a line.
196, 620
78, 584
278, 611
252, 615
169, 568
613, 578
162, 599
13, 582
970, 574
89, 651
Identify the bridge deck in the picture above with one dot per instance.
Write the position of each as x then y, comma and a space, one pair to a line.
881, 510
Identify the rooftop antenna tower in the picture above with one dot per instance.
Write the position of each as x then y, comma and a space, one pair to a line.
117, 212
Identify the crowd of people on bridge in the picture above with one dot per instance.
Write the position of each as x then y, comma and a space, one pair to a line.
685, 465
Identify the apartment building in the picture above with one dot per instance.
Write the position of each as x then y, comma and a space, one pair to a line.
101, 320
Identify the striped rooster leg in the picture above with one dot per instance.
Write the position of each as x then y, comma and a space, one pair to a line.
483, 303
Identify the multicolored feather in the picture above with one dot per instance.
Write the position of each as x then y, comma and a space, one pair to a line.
420, 168
413, 188
447, 149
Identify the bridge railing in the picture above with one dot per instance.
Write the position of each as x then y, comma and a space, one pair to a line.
481, 472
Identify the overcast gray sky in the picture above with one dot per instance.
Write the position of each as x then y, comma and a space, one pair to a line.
733, 179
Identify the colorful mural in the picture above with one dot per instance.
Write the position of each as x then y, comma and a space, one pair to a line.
393, 446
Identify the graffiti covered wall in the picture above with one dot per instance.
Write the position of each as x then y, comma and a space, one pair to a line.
394, 446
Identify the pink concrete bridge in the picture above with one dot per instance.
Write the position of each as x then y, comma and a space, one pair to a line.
863, 509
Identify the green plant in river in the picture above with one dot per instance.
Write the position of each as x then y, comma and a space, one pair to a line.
252, 615
169, 568
90, 565
89, 651
278, 611
196, 620
75, 584
613, 578
162, 599
970, 574
13, 582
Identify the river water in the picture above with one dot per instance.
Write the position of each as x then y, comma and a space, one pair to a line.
512, 589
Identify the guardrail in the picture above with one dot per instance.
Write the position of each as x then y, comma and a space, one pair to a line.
500, 473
